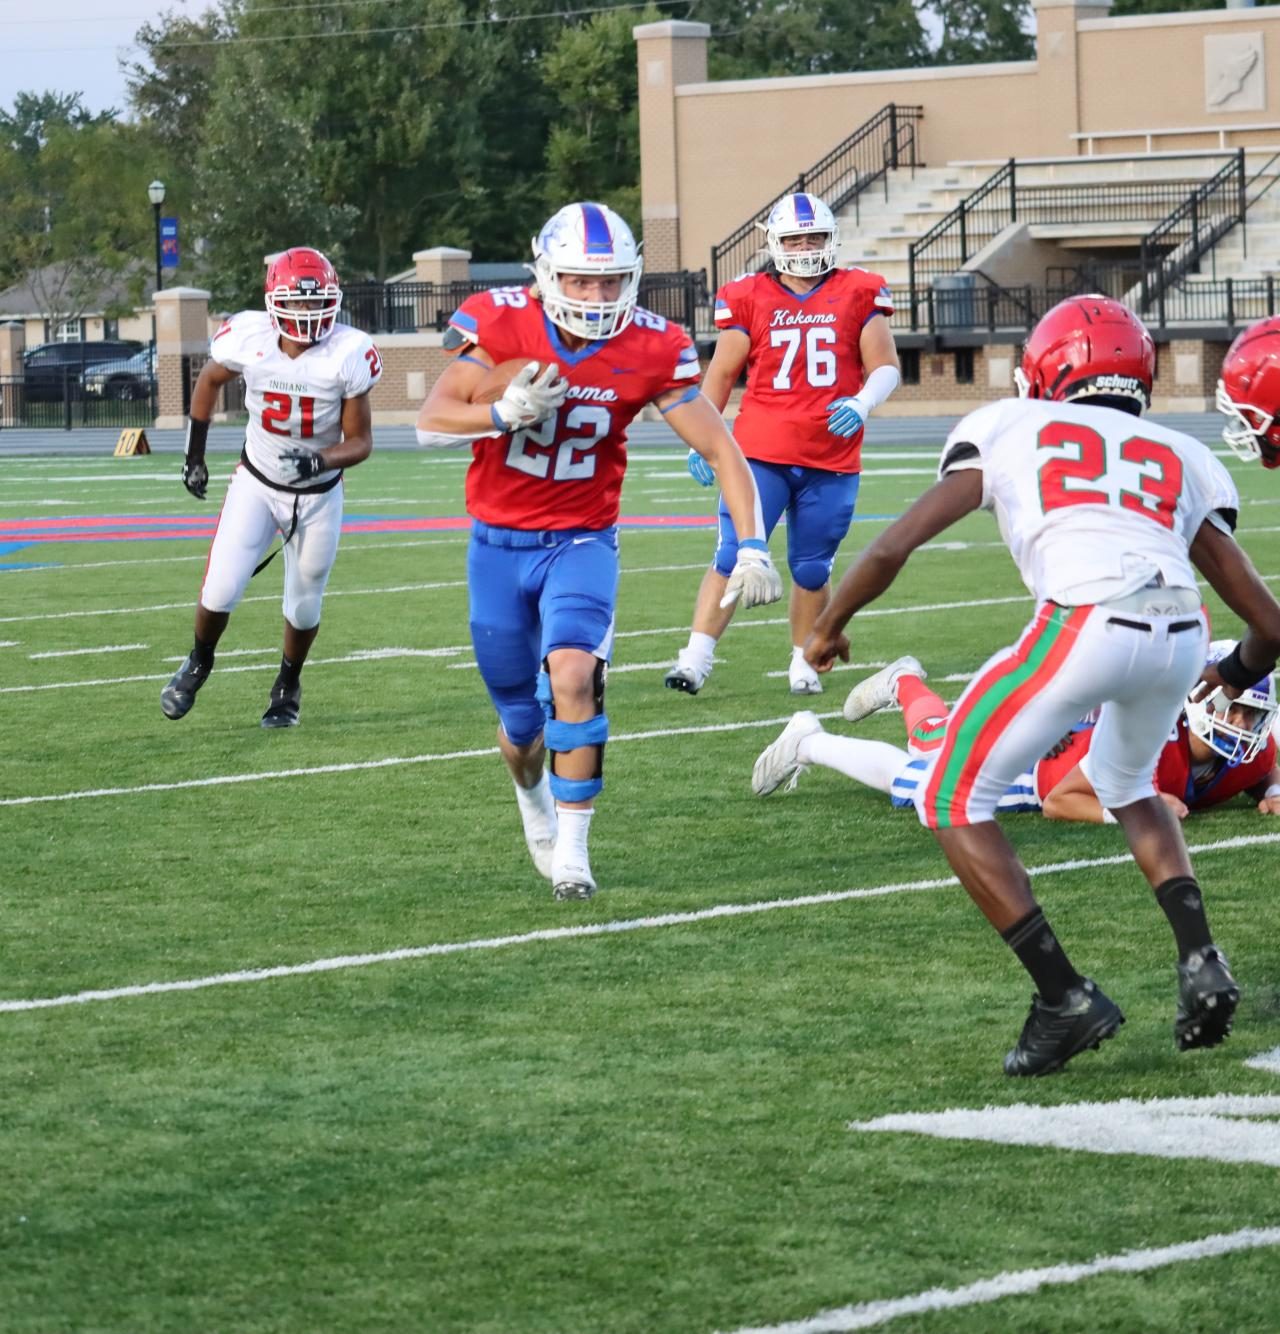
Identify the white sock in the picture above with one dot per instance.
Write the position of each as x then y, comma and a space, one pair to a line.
700, 650
875, 763
537, 809
571, 840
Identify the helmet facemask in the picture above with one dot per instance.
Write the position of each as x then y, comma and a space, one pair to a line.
803, 263
591, 320
1250, 433
306, 311
1239, 738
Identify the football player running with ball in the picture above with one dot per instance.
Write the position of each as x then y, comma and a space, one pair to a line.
819, 356
307, 380
543, 490
1108, 519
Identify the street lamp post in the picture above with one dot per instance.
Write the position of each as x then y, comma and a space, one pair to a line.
155, 193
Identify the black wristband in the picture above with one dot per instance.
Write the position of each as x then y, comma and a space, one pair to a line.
197, 436
1235, 674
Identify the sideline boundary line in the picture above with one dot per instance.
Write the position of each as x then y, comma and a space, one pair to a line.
624, 925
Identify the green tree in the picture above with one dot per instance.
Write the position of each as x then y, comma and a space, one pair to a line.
593, 148
973, 31
768, 38
75, 217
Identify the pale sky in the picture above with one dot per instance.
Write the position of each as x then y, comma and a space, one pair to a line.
68, 46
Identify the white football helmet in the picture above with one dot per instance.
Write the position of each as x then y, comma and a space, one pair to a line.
1237, 739
801, 215
591, 239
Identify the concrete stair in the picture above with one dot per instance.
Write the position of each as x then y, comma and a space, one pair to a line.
877, 232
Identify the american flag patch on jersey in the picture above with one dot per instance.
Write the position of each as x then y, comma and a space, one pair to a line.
687, 364
723, 310
884, 298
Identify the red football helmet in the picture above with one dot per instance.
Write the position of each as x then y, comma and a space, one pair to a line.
303, 295
1249, 393
1088, 346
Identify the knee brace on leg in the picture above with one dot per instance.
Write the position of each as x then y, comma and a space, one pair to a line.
562, 736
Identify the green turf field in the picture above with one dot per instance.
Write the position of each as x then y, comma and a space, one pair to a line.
630, 1116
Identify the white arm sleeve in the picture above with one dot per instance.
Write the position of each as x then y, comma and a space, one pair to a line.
879, 385
439, 440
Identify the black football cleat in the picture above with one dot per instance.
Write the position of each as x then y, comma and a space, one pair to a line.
1053, 1034
179, 695
1207, 999
286, 704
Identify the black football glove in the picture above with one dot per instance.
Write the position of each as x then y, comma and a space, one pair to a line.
307, 463
195, 477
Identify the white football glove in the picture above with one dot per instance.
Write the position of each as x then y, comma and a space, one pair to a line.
526, 401
754, 582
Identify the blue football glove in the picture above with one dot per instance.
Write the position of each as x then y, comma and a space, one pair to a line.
700, 470
843, 417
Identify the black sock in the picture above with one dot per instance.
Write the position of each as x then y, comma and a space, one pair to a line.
1032, 940
202, 654
1183, 905
289, 673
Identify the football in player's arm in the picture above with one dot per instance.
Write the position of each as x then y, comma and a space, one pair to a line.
820, 356
307, 382
543, 490
1108, 520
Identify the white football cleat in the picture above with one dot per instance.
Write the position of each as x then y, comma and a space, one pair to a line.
780, 761
686, 675
879, 691
571, 876
804, 680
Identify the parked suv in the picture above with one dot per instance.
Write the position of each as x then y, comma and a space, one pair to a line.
128, 380
45, 368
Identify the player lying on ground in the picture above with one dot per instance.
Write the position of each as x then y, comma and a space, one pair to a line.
1108, 519
1220, 749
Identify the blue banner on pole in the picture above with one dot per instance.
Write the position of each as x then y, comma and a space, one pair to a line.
168, 243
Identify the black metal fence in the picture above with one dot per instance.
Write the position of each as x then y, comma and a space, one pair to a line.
77, 399
1187, 217
993, 309
886, 141
410, 307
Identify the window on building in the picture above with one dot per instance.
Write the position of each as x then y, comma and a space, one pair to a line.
964, 365
909, 360
69, 331
111, 329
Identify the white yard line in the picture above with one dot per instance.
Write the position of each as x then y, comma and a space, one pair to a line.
81, 652
1267, 1060
1019, 1282
719, 912
356, 766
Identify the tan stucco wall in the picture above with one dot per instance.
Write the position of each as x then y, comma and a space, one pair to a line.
739, 143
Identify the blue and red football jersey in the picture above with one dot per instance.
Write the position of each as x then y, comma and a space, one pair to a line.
567, 472
804, 353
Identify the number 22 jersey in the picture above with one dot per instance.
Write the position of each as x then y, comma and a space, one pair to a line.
567, 471
293, 401
1091, 501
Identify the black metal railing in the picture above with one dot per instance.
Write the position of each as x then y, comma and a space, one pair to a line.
994, 309
1174, 247
105, 396
413, 307
886, 141
944, 250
